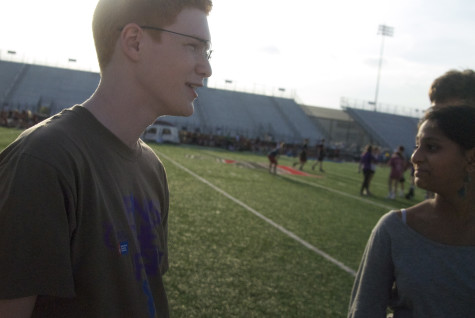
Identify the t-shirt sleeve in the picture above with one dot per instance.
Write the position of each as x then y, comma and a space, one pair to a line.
36, 226
374, 279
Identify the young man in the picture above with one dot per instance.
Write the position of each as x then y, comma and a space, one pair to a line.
83, 201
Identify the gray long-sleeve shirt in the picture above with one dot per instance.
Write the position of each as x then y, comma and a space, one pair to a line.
432, 279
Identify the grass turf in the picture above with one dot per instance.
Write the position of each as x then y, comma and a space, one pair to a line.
229, 263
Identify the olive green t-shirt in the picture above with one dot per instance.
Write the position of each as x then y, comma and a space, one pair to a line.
83, 221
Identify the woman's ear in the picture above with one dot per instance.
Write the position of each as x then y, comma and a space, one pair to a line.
130, 39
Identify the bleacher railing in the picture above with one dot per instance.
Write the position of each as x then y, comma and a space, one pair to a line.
346, 102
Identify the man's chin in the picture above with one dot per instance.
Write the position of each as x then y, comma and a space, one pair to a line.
188, 111
183, 111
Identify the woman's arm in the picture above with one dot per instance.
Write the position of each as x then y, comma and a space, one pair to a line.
374, 280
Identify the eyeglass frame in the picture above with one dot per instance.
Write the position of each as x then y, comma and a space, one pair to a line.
206, 54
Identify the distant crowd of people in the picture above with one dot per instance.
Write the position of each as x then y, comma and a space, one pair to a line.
264, 146
20, 119
23, 119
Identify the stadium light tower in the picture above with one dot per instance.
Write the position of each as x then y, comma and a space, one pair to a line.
384, 30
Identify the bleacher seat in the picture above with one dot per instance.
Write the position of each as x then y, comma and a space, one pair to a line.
231, 113
387, 129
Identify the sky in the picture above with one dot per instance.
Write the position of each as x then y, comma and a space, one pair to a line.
321, 53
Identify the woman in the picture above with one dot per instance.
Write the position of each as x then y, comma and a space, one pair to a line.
421, 261
368, 161
397, 163
273, 156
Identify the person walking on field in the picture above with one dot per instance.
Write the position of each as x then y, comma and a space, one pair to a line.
273, 155
397, 164
83, 201
368, 161
302, 155
320, 156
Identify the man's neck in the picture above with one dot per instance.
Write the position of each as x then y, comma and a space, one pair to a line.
123, 116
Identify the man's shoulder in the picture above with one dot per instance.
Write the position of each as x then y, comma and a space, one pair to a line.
147, 150
50, 138
61, 120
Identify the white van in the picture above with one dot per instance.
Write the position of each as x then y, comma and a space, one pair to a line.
161, 132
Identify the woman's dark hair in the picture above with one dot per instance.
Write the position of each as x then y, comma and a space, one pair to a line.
456, 122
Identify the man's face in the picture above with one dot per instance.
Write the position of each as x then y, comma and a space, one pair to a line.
174, 67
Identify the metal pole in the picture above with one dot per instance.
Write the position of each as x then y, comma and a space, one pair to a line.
384, 30
379, 74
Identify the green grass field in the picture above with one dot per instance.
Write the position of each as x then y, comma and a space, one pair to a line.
245, 243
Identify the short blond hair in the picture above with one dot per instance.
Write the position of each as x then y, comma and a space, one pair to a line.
111, 15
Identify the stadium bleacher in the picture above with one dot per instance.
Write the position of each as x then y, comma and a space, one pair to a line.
27, 86
217, 111
236, 113
387, 129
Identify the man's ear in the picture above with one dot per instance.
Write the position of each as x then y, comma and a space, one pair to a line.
130, 39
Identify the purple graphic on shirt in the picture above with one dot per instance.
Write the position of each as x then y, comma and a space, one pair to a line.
139, 239
143, 218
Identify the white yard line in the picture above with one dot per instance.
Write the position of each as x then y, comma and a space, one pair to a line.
266, 219
352, 196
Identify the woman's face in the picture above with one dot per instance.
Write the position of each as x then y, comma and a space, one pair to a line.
440, 164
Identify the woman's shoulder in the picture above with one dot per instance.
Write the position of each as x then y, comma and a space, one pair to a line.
393, 227
419, 214
414, 214
389, 223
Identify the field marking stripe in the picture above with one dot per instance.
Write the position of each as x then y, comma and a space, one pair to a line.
329, 189
266, 219
352, 196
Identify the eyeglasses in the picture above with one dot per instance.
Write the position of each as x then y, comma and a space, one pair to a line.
204, 50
